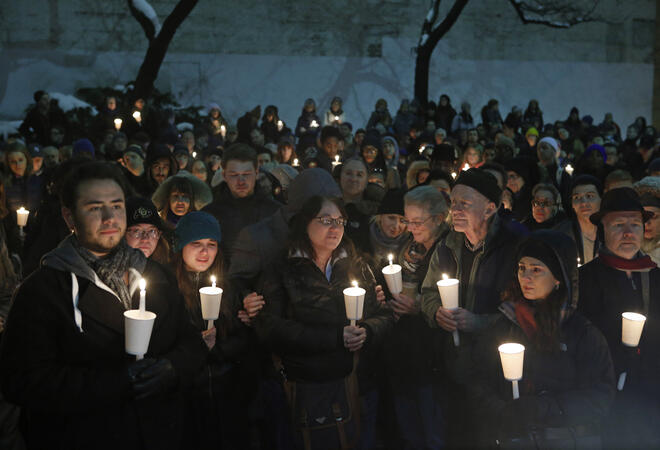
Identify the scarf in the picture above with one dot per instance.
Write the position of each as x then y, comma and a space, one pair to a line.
112, 267
525, 318
641, 262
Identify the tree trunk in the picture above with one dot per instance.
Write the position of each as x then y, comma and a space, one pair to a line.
144, 83
422, 64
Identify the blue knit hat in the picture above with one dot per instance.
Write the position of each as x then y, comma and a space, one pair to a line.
83, 145
194, 226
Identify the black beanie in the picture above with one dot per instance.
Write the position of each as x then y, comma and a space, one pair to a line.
392, 202
543, 252
482, 182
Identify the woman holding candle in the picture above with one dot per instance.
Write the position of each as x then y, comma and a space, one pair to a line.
304, 321
387, 231
567, 384
409, 350
21, 187
217, 409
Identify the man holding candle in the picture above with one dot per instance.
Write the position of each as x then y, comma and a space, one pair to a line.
63, 357
479, 252
624, 279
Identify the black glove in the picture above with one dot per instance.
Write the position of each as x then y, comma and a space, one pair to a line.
151, 377
519, 415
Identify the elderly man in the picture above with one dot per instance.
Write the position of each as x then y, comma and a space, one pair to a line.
63, 357
479, 252
623, 279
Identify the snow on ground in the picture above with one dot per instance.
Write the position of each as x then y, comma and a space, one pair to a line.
240, 82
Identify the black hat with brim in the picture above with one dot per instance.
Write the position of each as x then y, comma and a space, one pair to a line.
620, 200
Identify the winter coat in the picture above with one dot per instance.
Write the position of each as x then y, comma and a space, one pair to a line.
304, 125
444, 116
571, 387
234, 214
571, 228
25, 191
305, 315
63, 359
329, 117
462, 121
491, 271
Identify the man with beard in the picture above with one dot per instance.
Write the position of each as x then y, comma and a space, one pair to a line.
159, 165
63, 357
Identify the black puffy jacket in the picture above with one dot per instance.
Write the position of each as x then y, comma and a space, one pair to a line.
304, 316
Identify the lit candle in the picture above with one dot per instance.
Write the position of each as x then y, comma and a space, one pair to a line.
117, 124
194, 155
22, 216
212, 280
453, 175
632, 325
579, 265
280, 125
448, 289
354, 302
314, 124
422, 148
295, 162
137, 116
336, 118
512, 357
466, 166
336, 162
569, 169
210, 299
143, 295
223, 130
392, 274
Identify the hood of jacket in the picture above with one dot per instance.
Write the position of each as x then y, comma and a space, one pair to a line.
394, 162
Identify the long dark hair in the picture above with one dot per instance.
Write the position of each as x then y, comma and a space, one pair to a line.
298, 237
186, 282
547, 313
183, 186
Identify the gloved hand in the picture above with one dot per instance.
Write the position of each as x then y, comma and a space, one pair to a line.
519, 415
151, 376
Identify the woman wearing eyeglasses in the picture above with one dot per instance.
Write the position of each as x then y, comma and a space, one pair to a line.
586, 194
304, 322
546, 212
409, 350
217, 404
144, 230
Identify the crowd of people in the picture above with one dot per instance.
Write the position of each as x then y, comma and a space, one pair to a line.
552, 231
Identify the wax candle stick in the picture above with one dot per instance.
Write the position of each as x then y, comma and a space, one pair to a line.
143, 295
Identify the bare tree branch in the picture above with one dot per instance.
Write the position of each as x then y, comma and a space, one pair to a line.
556, 13
145, 22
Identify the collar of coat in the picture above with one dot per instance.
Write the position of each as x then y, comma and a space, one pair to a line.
456, 240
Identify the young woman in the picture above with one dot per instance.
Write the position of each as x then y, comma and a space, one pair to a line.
144, 230
304, 322
217, 411
179, 195
568, 380
21, 187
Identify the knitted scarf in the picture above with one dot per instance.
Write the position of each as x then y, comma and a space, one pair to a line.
641, 262
112, 267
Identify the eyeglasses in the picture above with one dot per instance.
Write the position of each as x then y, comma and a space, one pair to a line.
415, 224
328, 221
588, 197
143, 234
540, 204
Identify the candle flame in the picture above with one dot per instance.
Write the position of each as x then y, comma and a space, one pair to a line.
453, 175
137, 115
212, 278
143, 284
466, 166
445, 276
194, 154
354, 283
295, 161
390, 257
21, 210
336, 158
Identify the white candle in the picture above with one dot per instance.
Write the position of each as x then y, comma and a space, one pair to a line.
392, 273
448, 289
212, 280
210, 299
137, 116
194, 154
280, 125
453, 175
336, 162
512, 356
354, 302
143, 295
223, 130
466, 166
118, 124
632, 325
22, 216
314, 124
569, 169
295, 162
336, 118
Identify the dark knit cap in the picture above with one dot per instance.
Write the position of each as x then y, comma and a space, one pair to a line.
540, 250
392, 202
142, 210
372, 139
329, 131
596, 148
83, 145
482, 182
194, 226
581, 180
619, 200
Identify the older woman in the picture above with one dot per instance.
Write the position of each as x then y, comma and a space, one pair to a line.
568, 380
304, 322
353, 180
546, 208
410, 350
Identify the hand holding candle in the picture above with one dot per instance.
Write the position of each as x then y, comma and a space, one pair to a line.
210, 299
138, 324
448, 288
392, 273
137, 116
354, 302
280, 125
223, 130
512, 356
632, 325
